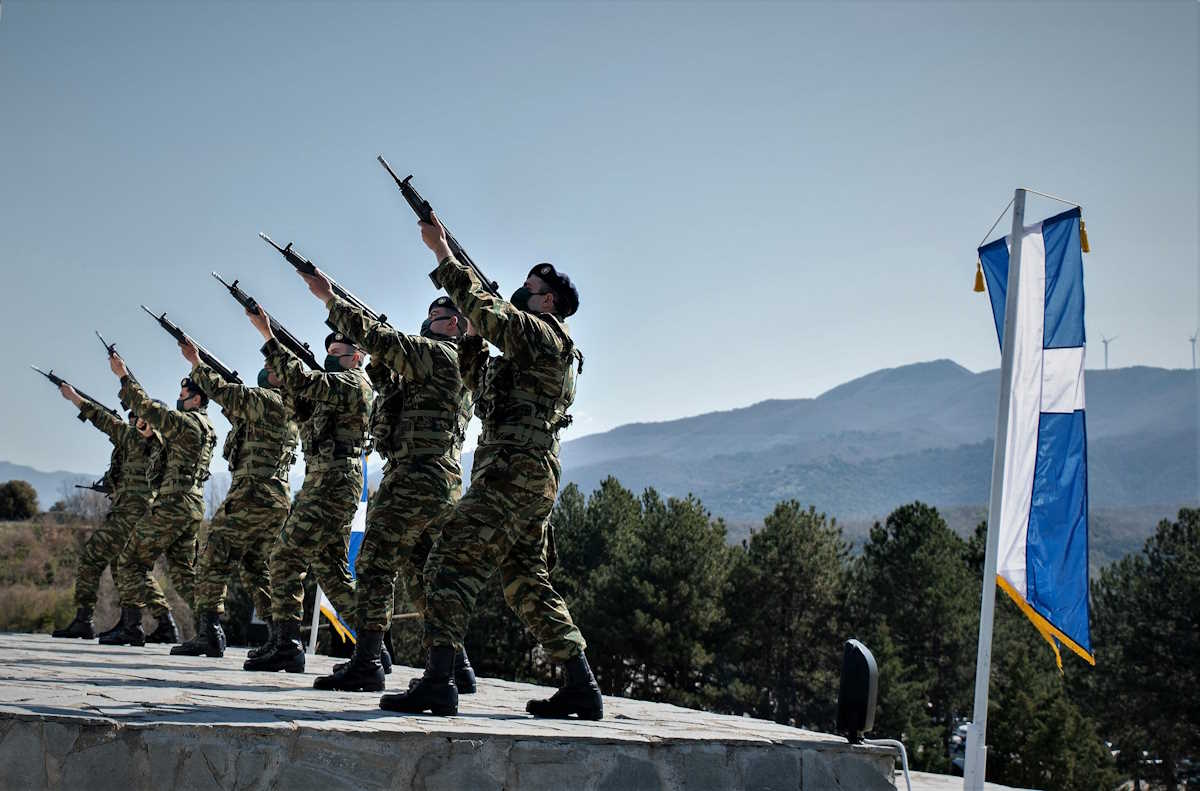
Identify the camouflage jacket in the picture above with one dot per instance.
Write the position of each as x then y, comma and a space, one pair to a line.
189, 438
137, 460
335, 431
263, 437
524, 395
425, 407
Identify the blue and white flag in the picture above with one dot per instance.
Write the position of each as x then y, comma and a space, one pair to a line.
1042, 561
357, 528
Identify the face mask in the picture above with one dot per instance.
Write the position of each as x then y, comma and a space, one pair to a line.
263, 381
520, 298
179, 403
333, 363
427, 328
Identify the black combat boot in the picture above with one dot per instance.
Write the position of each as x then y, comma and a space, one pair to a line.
107, 633
364, 671
166, 631
434, 691
464, 674
209, 639
579, 695
195, 646
265, 648
130, 631
385, 659
286, 651
83, 626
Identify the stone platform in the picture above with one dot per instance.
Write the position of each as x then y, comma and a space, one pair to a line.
75, 714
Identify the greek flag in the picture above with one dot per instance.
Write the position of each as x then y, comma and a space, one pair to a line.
1042, 562
325, 607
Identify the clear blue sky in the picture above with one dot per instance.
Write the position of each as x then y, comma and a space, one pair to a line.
757, 201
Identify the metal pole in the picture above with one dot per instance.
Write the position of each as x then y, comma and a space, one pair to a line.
976, 748
316, 623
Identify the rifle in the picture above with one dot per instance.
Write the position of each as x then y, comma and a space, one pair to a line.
425, 212
58, 381
282, 334
111, 348
96, 486
227, 373
302, 264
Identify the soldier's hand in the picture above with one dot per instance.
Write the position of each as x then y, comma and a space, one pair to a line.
318, 284
190, 353
262, 323
69, 393
470, 327
117, 365
434, 237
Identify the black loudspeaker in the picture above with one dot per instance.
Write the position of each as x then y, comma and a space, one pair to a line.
856, 698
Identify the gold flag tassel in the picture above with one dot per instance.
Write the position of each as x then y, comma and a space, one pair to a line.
1083, 240
979, 274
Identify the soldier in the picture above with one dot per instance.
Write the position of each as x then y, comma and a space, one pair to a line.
503, 519
418, 426
261, 449
317, 531
131, 488
169, 526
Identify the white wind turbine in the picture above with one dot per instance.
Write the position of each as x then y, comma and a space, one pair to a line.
1107, 341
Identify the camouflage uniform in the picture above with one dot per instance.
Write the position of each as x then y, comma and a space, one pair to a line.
418, 422
169, 527
129, 480
332, 409
260, 448
503, 519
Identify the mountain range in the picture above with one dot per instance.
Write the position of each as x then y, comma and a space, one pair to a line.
921, 431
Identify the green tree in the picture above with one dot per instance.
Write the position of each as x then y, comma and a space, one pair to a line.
784, 599
1145, 632
915, 596
18, 501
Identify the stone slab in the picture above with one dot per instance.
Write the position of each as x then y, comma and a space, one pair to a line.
75, 714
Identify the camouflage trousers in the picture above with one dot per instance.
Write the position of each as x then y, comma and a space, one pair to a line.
239, 539
502, 520
105, 544
317, 535
168, 528
403, 520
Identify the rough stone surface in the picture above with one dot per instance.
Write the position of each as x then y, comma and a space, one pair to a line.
76, 714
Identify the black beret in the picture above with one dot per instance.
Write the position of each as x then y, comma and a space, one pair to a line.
566, 296
337, 337
444, 302
187, 383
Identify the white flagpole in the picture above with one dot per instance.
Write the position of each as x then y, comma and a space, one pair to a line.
976, 748
316, 623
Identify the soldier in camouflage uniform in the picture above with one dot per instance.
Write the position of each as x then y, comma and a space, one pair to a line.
503, 519
260, 448
418, 426
333, 419
169, 527
131, 490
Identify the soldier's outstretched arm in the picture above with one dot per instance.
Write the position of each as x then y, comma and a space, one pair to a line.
104, 420
236, 399
170, 422
339, 389
411, 356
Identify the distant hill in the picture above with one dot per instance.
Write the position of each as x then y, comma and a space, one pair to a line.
921, 431
49, 485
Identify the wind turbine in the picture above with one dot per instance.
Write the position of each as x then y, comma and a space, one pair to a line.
1193, 340
1107, 341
